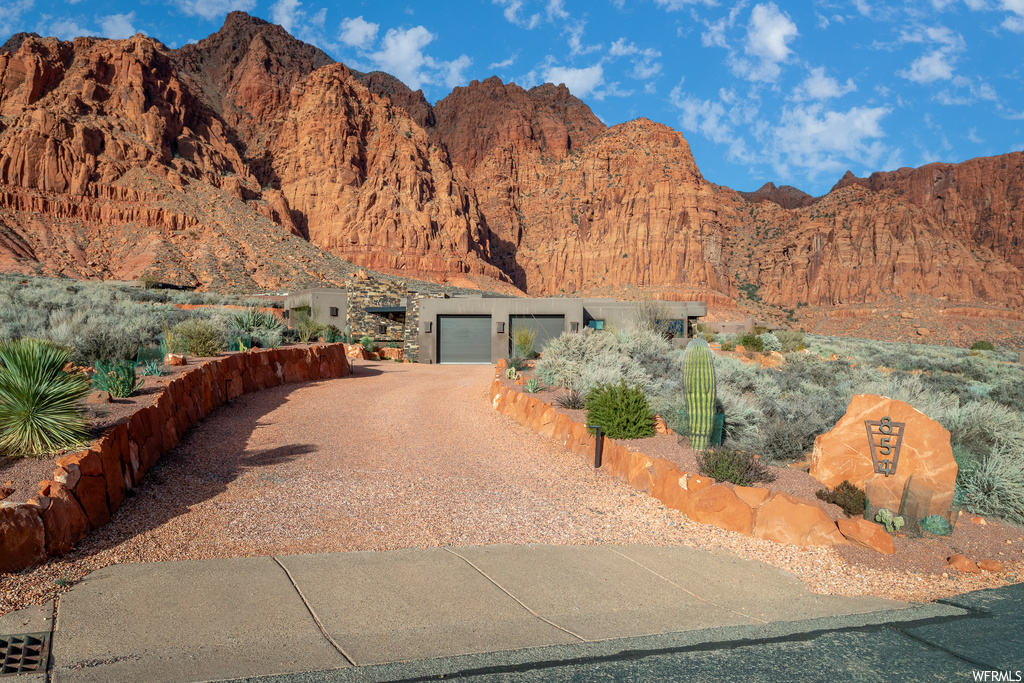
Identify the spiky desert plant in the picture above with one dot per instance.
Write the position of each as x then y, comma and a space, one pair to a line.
117, 378
699, 386
39, 409
252, 319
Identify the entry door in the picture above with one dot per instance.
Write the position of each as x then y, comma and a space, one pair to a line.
464, 339
546, 326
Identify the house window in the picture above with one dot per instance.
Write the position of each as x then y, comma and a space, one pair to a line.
334, 311
596, 324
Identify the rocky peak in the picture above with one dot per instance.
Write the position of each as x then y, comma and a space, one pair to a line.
486, 114
786, 196
15, 41
414, 103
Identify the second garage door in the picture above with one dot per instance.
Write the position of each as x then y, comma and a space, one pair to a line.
464, 339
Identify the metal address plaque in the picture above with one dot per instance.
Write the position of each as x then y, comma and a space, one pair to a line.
885, 430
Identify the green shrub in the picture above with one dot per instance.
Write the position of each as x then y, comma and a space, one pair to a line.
848, 496
367, 343
117, 378
97, 343
728, 345
523, 339
982, 345
995, 487
738, 467
790, 340
306, 326
751, 342
769, 342
623, 412
39, 410
201, 337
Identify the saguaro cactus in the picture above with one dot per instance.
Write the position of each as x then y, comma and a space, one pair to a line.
699, 383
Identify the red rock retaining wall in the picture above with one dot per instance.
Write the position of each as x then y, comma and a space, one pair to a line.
752, 511
88, 486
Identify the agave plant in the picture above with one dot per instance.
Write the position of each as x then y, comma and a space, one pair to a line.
39, 410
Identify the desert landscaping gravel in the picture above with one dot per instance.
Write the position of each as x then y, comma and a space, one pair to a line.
410, 456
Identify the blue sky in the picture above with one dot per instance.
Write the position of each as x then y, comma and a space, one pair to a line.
796, 93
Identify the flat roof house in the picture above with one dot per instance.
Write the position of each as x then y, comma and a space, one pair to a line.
479, 328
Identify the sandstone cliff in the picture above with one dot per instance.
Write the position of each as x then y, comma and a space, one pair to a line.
252, 160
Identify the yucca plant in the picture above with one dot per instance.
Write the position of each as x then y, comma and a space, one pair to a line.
39, 410
117, 378
252, 319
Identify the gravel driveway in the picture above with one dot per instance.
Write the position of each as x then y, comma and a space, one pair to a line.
397, 456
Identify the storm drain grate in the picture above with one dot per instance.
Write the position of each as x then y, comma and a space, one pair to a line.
24, 653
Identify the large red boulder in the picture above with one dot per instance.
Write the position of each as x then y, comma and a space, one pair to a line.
867, 534
785, 519
925, 452
670, 490
22, 537
64, 519
719, 506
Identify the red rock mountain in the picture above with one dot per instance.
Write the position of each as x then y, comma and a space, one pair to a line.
252, 160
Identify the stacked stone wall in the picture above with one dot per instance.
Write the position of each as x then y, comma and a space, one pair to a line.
88, 486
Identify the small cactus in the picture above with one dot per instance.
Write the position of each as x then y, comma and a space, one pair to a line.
892, 523
699, 383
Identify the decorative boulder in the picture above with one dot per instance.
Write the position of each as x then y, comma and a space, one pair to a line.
925, 452
991, 565
963, 564
785, 519
867, 535
22, 537
718, 505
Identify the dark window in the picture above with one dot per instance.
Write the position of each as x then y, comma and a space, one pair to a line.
334, 311
382, 328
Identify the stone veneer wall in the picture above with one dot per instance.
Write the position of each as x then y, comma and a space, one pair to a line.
412, 324
89, 485
749, 510
363, 294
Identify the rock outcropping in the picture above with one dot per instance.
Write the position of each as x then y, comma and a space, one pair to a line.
251, 160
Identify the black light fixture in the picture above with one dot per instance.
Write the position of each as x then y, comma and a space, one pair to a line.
382, 328
500, 328
574, 327
334, 311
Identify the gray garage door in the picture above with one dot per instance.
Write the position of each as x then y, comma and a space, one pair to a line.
464, 338
546, 326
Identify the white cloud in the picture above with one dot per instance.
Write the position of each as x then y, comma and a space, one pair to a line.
715, 34
972, 136
512, 15
576, 46
718, 120
556, 10
454, 71
581, 82
401, 55
1013, 23
64, 28
358, 32
939, 63
505, 63
769, 33
644, 66
819, 141
10, 14
284, 12
965, 92
118, 26
818, 86
674, 5
213, 9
